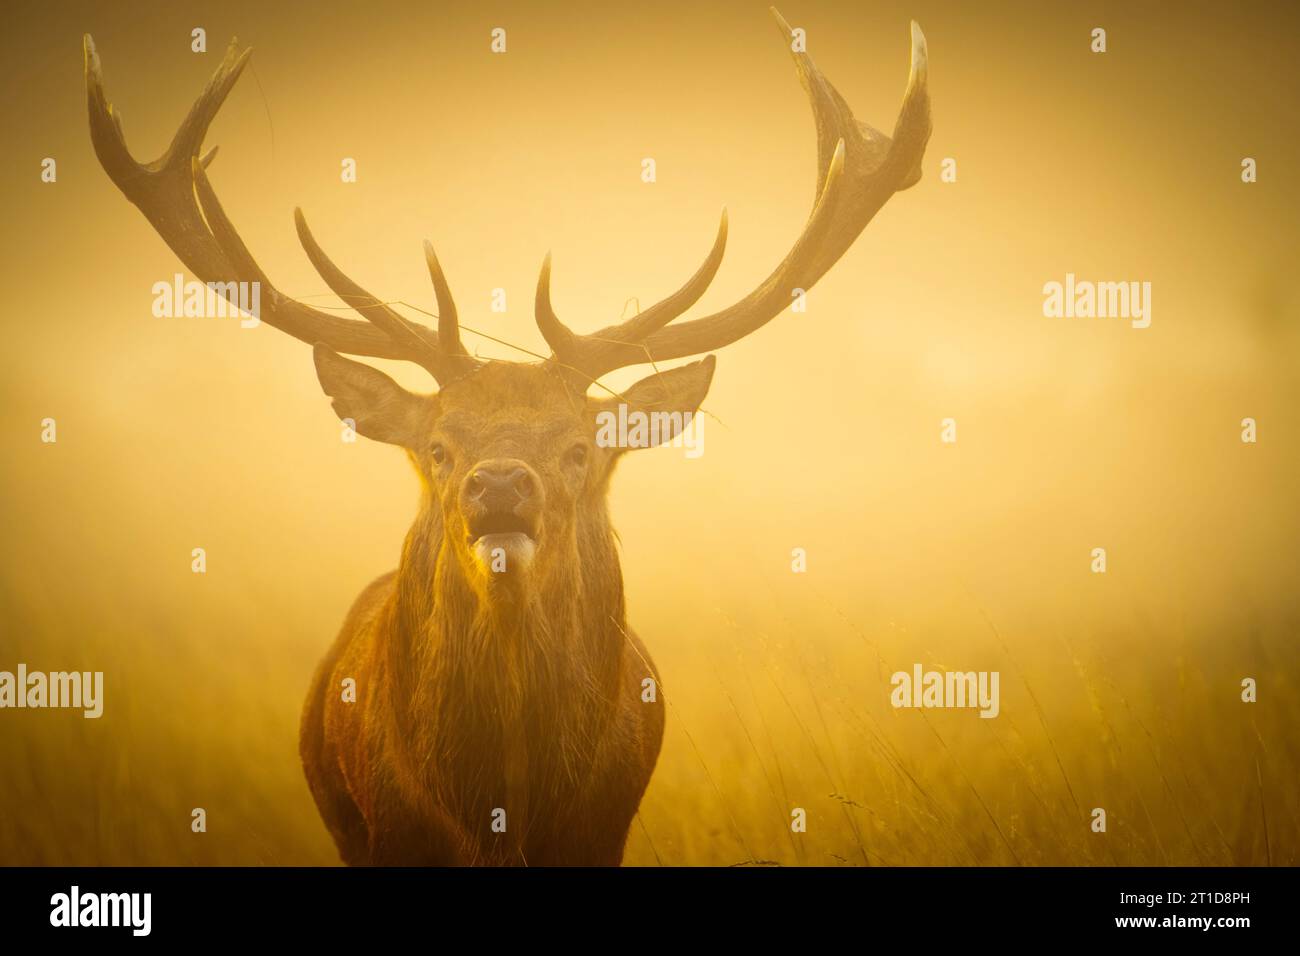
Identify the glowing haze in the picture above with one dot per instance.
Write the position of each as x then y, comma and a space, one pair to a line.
1118, 690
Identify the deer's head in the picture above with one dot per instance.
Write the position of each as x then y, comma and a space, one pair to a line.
516, 479
508, 455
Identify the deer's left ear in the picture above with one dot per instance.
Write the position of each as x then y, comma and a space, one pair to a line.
373, 403
672, 397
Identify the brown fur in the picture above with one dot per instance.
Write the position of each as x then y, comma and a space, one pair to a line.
473, 694
516, 688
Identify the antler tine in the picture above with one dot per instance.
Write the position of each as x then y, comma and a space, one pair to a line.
558, 336
579, 352
448, 319
424, 348
858, 169
151, 185
661, 313
177, 198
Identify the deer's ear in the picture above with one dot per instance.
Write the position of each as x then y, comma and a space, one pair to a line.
676, 395
377, 406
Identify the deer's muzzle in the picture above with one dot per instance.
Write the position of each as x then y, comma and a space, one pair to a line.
501, 501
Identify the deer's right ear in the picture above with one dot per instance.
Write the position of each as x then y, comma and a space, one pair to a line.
377, 406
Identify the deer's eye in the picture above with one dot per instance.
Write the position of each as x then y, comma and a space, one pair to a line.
577, 455
438, 454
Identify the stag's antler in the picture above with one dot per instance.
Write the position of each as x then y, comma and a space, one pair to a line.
175, 195
859, 168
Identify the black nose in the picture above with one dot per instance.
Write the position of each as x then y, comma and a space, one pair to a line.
502, 496
500, 486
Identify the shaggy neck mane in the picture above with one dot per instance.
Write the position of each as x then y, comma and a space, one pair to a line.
503, 703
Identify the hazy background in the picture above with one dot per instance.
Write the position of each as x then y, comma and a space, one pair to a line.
1119, 691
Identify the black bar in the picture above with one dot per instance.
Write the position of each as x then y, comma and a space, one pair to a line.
331, 905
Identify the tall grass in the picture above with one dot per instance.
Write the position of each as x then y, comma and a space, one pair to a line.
775, 702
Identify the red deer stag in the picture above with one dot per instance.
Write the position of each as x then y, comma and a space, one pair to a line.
502, 714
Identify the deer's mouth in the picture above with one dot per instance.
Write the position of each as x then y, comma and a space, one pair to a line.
503, 544
495, 524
